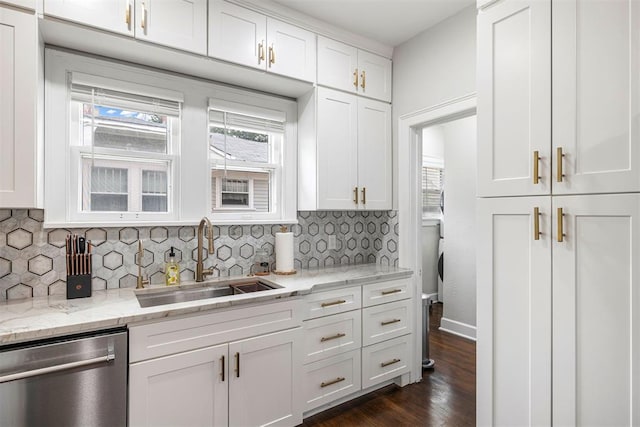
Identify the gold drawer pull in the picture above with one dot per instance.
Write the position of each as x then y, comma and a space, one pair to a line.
355, 195
560, 225
536, 223
363, 81
355, 78
329, 304
389, 322
559, 156
222, 366
237, 365
391, 362
333, 337
328, 383
364, 195
393, 291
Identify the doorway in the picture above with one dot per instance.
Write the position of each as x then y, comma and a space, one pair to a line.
410, 204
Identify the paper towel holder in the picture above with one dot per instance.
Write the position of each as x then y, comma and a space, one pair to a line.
283, 229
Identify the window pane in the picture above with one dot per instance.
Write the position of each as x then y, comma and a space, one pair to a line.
109, 202
241, 146
109, 180
154, 203
154, 182
432, 185
124, 129
235, 199
235, 185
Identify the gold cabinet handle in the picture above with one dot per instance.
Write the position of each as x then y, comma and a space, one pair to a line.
328, 383
272, 55
222, 367
393, 291
355, 195
536, 224
329, 304
237, 356
355, 78
559, 156
536, 164
127, 14
260, 52
391, 362
333, 337
560, 225
389, 322
363, 81
364, 195
143, 20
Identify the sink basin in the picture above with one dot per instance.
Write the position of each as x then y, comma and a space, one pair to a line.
154, 297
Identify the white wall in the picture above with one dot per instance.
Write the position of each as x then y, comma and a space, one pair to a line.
433, 144
460, 222
434, 67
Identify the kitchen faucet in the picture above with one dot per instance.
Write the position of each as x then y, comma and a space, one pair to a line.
141, 281
202, 272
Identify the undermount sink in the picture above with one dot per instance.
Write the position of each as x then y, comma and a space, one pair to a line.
154, 297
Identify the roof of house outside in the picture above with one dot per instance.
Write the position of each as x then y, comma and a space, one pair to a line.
239, 149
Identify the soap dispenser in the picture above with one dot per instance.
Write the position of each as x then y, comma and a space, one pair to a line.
172, 270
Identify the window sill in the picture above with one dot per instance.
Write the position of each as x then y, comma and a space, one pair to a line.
143, 223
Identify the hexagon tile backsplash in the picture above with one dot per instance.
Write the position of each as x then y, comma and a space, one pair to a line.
32, 260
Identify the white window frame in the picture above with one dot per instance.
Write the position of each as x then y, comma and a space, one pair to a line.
436, 163
191, 170
283, 193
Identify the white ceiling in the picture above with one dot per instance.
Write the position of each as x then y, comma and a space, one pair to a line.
390, 22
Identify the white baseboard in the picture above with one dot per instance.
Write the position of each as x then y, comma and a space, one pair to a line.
458, 328
433, 296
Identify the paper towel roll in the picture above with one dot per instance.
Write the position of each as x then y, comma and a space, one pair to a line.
284, 252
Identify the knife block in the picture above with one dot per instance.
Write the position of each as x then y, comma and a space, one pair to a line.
79, 286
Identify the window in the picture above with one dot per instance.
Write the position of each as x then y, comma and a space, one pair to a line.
432, 187
123, 145
246, 158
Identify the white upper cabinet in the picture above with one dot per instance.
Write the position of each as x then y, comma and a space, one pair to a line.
596, 96
374, 154
514, 98
237, 34
113, 15
181, 24
347, 68
344, 152
21, 162
595, 311
249, 38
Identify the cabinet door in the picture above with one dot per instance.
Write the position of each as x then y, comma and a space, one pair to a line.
374, 76
237, 34
337, 65
374, 154
514, 98
264, 387
337, 140
514, 312
111, 15
596, 305
291, 51
596, 96
186, 389
181, 24
19, 186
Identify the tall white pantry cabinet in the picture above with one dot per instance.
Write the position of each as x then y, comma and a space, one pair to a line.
558, 212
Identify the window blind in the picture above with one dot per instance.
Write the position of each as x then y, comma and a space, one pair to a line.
113, 98
245, 122
432, 183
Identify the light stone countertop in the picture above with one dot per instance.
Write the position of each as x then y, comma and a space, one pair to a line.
43, 317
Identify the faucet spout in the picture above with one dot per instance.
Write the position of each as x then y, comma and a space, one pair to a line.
205, 228
141, 280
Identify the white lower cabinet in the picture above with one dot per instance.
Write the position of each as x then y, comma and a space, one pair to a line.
185, 389
332, 378
252, 381
558, 302
386, 360
348, 351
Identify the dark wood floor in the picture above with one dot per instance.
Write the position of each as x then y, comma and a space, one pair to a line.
445, 396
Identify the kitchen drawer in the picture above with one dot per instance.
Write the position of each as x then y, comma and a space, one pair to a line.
331, 379
166, 337
331, 335
382, 322
332, 302
386, 360
383, 292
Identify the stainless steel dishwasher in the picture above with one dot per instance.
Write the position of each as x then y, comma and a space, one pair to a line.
79, 380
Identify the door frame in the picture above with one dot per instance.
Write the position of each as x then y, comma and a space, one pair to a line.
409, 201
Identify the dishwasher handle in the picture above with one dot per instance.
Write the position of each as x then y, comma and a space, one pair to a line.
57, 368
